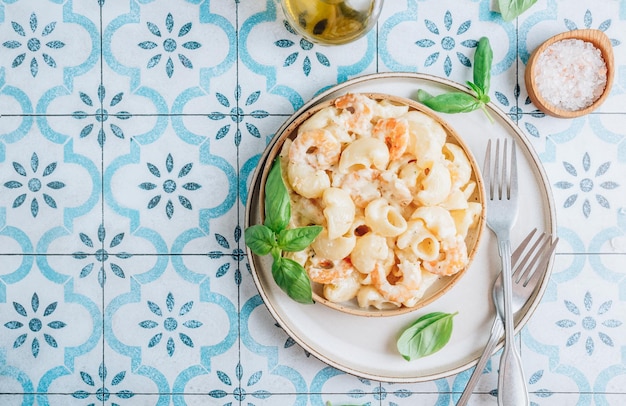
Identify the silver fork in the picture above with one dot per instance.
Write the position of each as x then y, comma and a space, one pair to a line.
527, 273
501, 186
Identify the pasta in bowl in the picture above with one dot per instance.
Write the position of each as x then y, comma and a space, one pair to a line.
398, 196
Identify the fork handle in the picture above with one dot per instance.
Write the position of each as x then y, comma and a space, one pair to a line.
512, 389
511, 382
496, 333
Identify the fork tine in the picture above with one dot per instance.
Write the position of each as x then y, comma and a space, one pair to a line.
497, 188
533, 255
487, 172
504, 182
515, 257
537, 272
513, 190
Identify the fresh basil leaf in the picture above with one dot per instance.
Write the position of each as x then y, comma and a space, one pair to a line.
261, 239
510, 9
476, 89
483, 58
454, 102
292, 278
423, 95
427, 335
277, 204
297, 239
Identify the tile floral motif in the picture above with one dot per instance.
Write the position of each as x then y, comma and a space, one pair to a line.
169, 45
101, 257
537, 393
589, 324
35, 327
34, 185
444, 37
99, 390
589, 23
240, 388
31, 43
306, 48
101, 115
586, 186
169, 186
167, 326
236, 254
237, 115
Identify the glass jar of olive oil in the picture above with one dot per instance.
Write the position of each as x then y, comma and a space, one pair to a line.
332, 22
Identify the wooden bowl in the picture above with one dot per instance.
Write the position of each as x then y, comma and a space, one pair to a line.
443, 284
595, 37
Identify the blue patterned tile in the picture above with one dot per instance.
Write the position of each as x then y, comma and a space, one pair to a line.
296, 62
399, 395
173, 191
172, 321
586, 184
170, 46
45, 187
580, 319
48, 48
48, 326
129, 132
444, 40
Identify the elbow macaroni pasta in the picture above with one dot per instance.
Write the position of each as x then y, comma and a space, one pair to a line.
394, 197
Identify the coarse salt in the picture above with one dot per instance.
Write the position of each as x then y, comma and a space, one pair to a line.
571, 74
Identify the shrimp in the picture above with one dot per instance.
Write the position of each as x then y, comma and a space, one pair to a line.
343, 289
319, 149
362, 185
310, 155
395, 189
395, 133
366, 185
404, 290
325, 271
357, 112
452, 258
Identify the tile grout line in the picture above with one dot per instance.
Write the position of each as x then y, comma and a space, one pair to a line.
237, 200
102, 217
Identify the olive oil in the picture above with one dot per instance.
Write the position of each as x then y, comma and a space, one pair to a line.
332, 21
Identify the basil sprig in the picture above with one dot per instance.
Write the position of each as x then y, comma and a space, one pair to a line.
460, 102
273, 237
427, 335
510, 9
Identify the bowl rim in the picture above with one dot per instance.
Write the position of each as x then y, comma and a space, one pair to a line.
599, 40
290, 131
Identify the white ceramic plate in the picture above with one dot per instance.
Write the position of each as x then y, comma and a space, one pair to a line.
366, 346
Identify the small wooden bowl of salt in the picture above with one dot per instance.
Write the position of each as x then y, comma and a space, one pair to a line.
571, 74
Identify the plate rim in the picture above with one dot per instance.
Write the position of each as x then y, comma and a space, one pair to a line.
542, 179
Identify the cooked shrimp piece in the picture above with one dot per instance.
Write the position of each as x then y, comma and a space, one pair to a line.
394, 189
369, 296
343, 289
452, 259
310, 155
365, 185
318, 149
362, 185
395, 133
357, 112
404, 290
306, 180
323, 270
